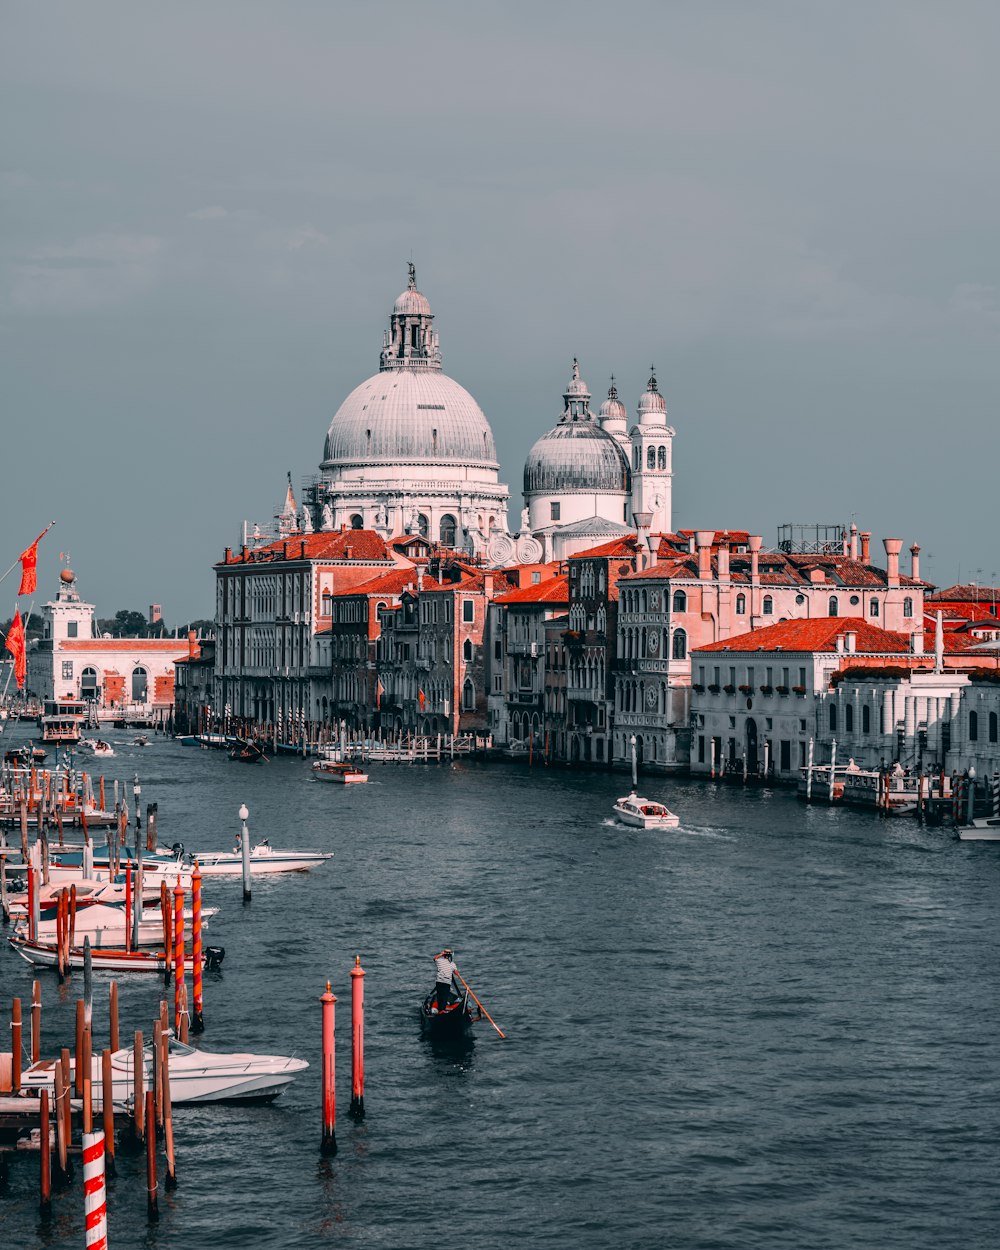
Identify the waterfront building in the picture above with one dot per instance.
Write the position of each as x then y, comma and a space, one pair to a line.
274, 611
523, 706
700, 587
128, 676
195, 706
410, 450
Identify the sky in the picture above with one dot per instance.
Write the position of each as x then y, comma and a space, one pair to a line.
790, 209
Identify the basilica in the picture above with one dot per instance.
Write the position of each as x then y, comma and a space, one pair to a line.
409, 451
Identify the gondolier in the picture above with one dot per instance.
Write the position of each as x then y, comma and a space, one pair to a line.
445, 968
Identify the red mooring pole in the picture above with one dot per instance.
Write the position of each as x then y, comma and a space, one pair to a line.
329, 1143
358, 1040
197, 1020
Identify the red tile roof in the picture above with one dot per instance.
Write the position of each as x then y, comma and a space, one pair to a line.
626, 546
554, 591
391, 583
966, 592
363, 545
817, 634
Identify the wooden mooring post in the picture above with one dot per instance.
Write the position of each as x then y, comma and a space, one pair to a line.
328, 1145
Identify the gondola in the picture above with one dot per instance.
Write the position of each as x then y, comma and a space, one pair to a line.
247, 753
456, 1019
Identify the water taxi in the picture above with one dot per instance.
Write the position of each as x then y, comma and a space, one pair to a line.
62, 720
332, 770
643, 813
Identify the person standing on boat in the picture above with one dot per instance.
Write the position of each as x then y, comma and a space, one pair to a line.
444, 964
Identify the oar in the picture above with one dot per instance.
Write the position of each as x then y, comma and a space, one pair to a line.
480, 1005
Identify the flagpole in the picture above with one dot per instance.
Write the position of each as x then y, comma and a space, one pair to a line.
34, 544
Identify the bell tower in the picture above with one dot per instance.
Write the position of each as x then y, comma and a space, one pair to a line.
652, 459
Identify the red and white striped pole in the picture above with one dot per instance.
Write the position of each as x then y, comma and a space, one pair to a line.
357, 1040
197, 1019
329, 1143
178, 957
95, 1202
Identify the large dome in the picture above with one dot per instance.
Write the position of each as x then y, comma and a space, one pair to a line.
576, 456
409, 414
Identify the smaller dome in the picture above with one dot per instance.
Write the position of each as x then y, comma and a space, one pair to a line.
577, 388
613, 409
411, 303
576, 456
67, 576
652, 402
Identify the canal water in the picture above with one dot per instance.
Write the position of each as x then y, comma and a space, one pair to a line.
774, 1027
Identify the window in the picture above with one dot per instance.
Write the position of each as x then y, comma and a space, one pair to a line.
907, 606
468, 611
498, 650
767, 607
88, 683
67, 670
866, 719
467, 650
849, 718
635, 458
536, 578
973, 726
357, 521
651, 457
680, 601
833, 718
741, 605
680, 645
553, 512
423, 526
447, 530
993, 726
72, 629
661, 458
468, 696
832, 607
873, 608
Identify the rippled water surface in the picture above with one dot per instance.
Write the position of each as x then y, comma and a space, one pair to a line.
774, 1027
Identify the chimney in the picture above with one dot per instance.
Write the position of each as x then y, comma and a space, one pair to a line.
724, 559
420, 580
348, 551
755, 542
704, 540
917, 641
865, 541
229, 555
244, 554
892, 550
854, 541
488, 585
850, 641
915, 562
302, 549
643, 520
192, 644
654, 546
690, 544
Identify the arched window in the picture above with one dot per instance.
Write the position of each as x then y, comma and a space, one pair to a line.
993, 726
88, 683
643, 601
140, 684
873, 608
650, 457
468, 696
833, 718
357, 521
680, 601
423, 526
467, 650
326, 606
767, 607
907, 606
680, 645
973, 726
636, 453
661, 458
849, 718
833, 606
866, 719
447, 530
741, 605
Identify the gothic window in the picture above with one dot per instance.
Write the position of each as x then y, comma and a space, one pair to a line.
907, 607
357, 521
741, 605
468, 696
643, 600
661, 458
447, 530
832, 606
651, 457
467, 651
680, 645
680, 601
873, 608
767, 607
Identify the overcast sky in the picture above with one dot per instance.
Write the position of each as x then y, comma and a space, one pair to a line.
791, 209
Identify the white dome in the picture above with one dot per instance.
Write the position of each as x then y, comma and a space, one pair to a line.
411, 304
414, 415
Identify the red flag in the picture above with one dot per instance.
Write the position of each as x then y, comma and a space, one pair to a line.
15, 645
29, 561
379, 692
423, 699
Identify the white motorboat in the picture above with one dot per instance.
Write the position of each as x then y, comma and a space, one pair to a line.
105, 926
113, 959
264, 859
643, 813
982, 829
334, 770
98, 746
195, 1075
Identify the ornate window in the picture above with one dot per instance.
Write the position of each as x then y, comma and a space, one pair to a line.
468, 696
679, 649
467, 651
680, 601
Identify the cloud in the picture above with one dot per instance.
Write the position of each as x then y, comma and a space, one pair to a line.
94, 271
213, 212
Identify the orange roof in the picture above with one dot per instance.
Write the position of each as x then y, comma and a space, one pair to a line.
818, 634
391, 583
627, 545
361, 544
554, 590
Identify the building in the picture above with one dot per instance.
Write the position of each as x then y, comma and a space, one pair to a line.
522, 709
195, 706
133, 676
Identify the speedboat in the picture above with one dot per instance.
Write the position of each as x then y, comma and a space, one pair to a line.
103, 959
195, 1075
263, 859
105, 926
98, 746
982, 829
643, 813
332, 770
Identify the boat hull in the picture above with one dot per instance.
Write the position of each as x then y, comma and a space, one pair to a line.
102, 959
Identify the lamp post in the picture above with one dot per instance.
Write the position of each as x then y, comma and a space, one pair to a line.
136, 792
245, 851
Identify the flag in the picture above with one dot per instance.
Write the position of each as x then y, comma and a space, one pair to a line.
379, 691
423, 699
29, 561
15, 645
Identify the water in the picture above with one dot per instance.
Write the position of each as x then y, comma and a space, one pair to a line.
774, 1027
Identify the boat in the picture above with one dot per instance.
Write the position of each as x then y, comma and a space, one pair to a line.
247, 752
141, 741
264, 859
105, 925
982, 829
98, 746
62, 719
213, 742
643, 813
103, 959
195, 1075
456, 1019
333, 770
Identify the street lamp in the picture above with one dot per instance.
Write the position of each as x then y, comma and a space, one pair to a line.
136, 792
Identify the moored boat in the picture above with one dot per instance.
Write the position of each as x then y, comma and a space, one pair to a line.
103, 959
264, 859
982, 829
641, 813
